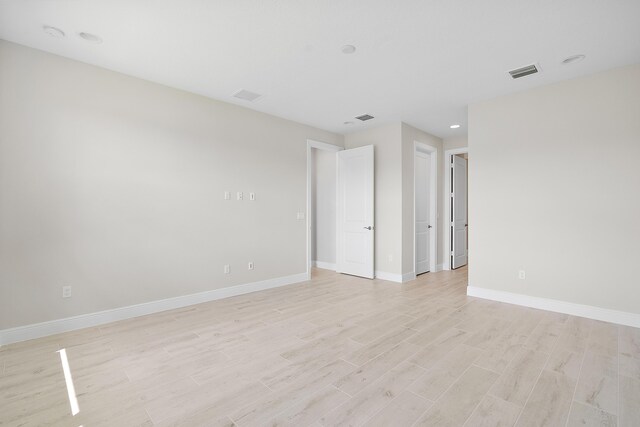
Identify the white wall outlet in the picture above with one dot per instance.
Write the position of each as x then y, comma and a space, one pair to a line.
250, 265
521, 275
66, 292
227, 269
252, 196
227, 195
390, 257
239, 195
300, 215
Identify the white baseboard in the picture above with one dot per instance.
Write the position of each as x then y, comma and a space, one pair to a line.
588, 311
28, 332
324, 265
391, 277
439, 267
407, 277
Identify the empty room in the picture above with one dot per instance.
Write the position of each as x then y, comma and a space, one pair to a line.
319, 213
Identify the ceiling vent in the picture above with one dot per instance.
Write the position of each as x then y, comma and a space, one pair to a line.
246, 95
524, 71
364, 117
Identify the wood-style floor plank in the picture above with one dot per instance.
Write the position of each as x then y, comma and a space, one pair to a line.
334, 351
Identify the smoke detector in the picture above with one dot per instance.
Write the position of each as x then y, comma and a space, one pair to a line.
573, 59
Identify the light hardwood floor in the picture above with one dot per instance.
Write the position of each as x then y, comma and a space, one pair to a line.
336, 351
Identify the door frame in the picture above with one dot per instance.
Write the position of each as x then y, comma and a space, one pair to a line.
433, 204
446, 264
320, 146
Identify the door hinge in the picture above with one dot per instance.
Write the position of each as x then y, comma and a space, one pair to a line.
451, 253
451, 195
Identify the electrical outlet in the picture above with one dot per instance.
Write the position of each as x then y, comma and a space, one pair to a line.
390, 258
227, 195
66, 292
252, 196
521, 275
227, 269
239, 195
250, 265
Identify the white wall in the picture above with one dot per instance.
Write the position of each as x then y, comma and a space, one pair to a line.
388, 192
555, 190
409, 136
323, 202
114, 185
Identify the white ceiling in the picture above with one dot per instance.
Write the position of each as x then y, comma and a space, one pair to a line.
419, 61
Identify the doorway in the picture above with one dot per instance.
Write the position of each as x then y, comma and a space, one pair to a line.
340, 209
321, 206
457, 208
425, 207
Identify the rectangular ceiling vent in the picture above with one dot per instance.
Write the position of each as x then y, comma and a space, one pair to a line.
524, 71
365, 117
246, 95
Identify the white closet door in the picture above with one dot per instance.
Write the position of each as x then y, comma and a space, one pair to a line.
354, 205
422, 211
459, 215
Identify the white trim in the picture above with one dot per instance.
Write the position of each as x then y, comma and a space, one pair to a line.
324, 265
320, 146
402, 278
588, 311
446, 195
391, 277
407, 277
433, 192
28, 332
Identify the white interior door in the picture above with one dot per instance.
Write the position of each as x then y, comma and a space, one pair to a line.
459, 212
422, 211
354, 205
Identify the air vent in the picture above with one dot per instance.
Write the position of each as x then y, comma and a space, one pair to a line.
524, 71
246, 95
364, 117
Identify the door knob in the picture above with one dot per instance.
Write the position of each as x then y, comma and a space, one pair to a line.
428, 226
369, 228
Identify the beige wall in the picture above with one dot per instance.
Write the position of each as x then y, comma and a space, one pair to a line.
555, 191
388, 192
114, 185
455, 142
323, 206
409, 136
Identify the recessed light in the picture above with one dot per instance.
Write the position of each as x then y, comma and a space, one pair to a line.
53, 31
454, 126
348, 123
348, 49
91, 38
573, 59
